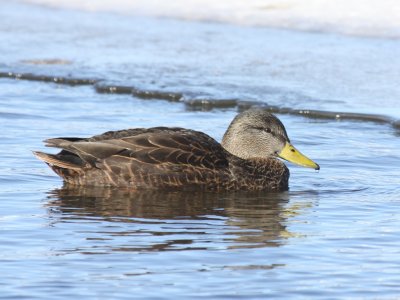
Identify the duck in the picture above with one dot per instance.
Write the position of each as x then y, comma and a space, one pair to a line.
174, 158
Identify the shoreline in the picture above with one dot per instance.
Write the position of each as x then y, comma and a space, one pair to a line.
201, 104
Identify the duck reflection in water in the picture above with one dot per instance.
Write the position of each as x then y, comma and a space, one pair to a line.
184, 221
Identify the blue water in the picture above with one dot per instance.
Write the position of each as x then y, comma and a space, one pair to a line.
334, 234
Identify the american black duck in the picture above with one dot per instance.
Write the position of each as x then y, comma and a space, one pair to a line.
181, 159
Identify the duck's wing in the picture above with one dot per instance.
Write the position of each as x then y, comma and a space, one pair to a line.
145, 156
124, 133
169, 146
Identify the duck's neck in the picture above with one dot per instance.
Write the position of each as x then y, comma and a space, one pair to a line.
236, 144
265, 173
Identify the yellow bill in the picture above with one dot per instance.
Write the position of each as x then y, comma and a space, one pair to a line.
290, 153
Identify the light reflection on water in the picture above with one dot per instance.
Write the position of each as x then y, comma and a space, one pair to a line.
160, 221
333, 234
337, 227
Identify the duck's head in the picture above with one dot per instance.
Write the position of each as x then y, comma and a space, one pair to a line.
259, 134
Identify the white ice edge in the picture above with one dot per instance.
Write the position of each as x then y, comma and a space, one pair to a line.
379, 18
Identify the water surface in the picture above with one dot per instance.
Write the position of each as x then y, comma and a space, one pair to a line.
334, 234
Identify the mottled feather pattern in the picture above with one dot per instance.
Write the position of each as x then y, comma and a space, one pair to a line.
161, 158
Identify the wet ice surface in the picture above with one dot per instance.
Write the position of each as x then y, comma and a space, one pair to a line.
333, 234
284, 68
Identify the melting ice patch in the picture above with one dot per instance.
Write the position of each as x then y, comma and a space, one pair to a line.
378, 18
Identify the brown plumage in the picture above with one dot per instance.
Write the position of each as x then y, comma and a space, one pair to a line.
172, 158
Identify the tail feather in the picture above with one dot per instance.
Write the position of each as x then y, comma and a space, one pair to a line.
61, 142
54, 160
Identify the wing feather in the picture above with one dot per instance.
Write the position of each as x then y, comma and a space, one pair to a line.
153, 157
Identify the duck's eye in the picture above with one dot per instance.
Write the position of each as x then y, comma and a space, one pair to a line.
267, 130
